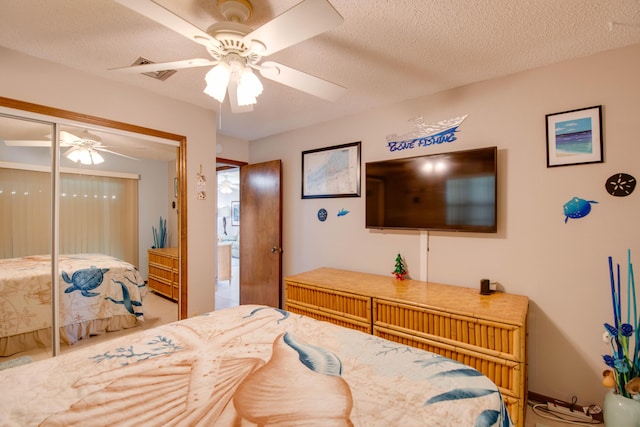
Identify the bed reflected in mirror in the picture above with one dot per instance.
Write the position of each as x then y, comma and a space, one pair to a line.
114, 189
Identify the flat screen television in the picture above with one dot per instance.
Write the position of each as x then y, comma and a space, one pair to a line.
454, 191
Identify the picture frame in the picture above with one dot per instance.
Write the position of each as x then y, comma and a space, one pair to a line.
331, 171
575, 137
235, 213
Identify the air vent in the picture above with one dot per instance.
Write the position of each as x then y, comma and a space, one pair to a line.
158, 75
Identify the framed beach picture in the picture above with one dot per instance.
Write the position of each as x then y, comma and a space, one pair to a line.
331, 171
574, 137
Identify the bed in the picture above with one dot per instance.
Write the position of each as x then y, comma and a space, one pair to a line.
98, 293
247, 366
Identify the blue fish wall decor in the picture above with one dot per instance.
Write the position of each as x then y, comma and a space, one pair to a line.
342, 212
577, 208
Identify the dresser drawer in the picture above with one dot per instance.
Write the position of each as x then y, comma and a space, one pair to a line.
495, 349
163, 260
341, 308
160, 286
161, 272
483, 336
164, 272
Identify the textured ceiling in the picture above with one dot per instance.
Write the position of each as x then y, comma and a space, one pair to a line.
386, 51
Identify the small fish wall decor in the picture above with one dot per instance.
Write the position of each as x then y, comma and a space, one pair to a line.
577, 208
342, 212
620, 184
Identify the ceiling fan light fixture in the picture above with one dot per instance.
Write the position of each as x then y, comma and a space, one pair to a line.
96, 158
85, 156
249, 87
73, 155
217, 81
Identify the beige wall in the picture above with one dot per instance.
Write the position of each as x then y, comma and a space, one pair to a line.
232, 148
29, 79
561, 267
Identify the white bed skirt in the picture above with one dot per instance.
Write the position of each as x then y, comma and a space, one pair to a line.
70, 334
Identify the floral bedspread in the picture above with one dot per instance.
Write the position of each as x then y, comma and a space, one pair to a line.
249, 366
92, 286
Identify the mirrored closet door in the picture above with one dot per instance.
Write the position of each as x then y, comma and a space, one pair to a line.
81, 205
25, 236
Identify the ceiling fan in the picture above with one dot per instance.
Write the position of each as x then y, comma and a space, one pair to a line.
236, 49
84, 147
227, 186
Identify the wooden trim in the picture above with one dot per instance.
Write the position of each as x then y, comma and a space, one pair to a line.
86, 118
228, 164
181, 165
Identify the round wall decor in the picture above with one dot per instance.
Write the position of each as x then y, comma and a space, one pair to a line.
322, 215
620, 184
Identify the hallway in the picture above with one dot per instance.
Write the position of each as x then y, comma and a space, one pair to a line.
228, 291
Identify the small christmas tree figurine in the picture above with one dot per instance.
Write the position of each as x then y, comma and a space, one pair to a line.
400, 271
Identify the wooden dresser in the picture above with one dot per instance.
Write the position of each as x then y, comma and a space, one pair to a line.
224, 261
487, 332
164, 272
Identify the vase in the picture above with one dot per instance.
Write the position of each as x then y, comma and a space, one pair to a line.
620, 411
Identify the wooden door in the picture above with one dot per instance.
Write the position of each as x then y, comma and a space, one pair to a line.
261, 234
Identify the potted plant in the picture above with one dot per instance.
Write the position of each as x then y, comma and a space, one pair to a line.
622, 403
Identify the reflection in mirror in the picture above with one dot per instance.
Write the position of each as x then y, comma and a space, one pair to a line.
25, 245
115, 189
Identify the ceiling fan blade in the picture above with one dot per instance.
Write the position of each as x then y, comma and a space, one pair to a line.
163, 66
232, 90
303, 21
301, 81
114, 152
66, 139
164, 16
27, 143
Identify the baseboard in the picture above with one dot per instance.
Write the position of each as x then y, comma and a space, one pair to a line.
534, 398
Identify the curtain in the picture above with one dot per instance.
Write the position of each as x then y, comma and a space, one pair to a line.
25, 207
98, 214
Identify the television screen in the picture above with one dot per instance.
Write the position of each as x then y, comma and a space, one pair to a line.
454, 191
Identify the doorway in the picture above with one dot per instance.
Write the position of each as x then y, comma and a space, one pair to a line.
259, 262
228, 229
227, 293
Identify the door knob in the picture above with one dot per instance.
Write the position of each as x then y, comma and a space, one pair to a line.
275, 250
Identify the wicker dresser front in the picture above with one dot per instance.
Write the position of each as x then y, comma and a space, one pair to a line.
487, 332
341, 308
164, 272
